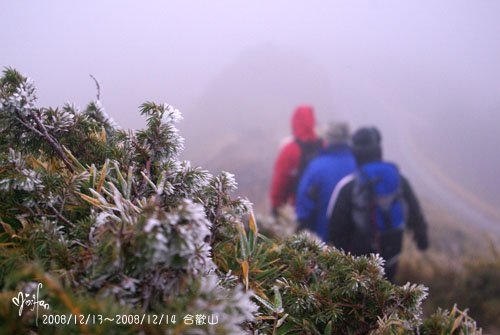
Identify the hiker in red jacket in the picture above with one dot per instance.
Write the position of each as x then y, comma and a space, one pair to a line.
294, 157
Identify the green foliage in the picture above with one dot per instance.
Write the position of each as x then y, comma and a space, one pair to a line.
473, 282
103, 217
112, 223
309, 287
455, 322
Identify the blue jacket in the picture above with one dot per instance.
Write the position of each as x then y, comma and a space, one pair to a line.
317, 184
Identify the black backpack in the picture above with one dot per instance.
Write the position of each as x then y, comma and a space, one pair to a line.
379, 218
308, 151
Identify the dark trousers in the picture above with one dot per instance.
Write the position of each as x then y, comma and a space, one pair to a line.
390, 271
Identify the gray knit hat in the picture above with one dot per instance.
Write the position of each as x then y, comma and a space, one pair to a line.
336, 133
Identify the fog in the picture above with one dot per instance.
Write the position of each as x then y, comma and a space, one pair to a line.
426, 72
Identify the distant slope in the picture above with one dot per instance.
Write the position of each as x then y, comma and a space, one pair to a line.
239, 122
437, 180
448, 145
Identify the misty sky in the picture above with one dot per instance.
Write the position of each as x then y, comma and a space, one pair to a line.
426, 72
166, 50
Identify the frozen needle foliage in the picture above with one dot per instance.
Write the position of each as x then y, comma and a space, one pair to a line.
112, 223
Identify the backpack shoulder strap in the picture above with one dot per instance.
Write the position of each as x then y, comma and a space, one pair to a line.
308, 151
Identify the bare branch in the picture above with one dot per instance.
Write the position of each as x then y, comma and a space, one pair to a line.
61, 217
98, 87
41, 131
27, 124
53, 142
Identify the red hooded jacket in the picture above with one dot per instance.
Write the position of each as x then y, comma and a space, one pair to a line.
286, 168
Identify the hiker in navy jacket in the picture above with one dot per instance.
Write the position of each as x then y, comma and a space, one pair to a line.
334, 162
358, 222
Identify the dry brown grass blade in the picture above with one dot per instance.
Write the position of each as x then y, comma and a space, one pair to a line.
88, 199
8, 229
252, 224
458, 320
102, 177
103, 135
36, 163
245, 268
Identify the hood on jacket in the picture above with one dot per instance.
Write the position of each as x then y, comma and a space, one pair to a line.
303, 123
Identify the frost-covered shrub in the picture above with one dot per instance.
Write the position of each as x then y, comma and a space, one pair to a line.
112, 223
111, 215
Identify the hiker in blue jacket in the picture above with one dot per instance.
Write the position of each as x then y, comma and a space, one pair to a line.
370, 208
320, 177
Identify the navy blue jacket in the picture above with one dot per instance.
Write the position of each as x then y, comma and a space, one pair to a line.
317, 184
